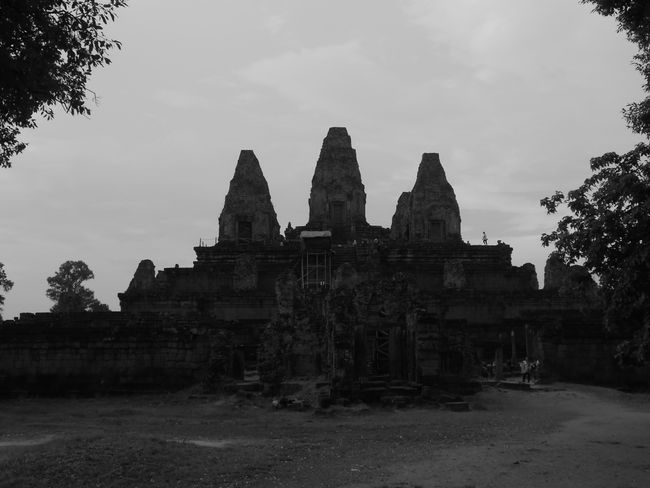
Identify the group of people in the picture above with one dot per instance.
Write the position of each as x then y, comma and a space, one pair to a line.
529, 370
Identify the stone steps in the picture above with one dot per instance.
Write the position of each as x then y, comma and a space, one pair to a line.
249, 386
251, 375
381, 389
457, 406
342, 255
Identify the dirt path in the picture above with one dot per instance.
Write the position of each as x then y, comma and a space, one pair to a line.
567, 436
605, 442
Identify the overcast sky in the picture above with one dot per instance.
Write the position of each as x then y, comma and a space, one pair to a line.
515, 95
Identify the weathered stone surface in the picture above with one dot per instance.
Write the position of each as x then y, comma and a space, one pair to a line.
530, 281
568, 280
432, 212
345, 276
400, 224
285, 292
337, 198
248, 214
245, 273
454, 275
144, 277
105, 352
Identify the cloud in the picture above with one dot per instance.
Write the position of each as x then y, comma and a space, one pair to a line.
320, 78
182, 100
502, 39
275, 23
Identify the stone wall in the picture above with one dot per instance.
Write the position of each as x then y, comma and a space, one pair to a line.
578, 348
228, 281
108, 352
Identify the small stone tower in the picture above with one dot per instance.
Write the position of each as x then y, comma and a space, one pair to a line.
430, 211
248, 213
337, 200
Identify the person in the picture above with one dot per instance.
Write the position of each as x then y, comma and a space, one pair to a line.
484, 239
525, 371
534, 366
490, 369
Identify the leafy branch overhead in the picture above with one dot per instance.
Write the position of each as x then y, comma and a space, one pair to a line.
608, 225
48, 50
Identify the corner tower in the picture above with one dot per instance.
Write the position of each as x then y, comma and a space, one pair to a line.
248, 213
337, 201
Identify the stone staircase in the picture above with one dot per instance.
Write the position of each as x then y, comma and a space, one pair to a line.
343, 254
381, 389
251, 381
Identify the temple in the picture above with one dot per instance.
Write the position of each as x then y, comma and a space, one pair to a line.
413, 302
372, 312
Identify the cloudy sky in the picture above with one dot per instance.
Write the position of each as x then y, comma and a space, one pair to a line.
515, 95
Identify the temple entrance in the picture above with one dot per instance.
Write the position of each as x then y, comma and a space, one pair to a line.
337, 213
380, 352
388, 352
238, 365
436, 230
451, 362
244, 231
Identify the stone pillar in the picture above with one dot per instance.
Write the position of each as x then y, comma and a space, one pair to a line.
498, 364
527, 341
395, 352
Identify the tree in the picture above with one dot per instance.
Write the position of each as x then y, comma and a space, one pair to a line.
610, 230
48, 49
67, 291
609, 225
633, 17
5, 285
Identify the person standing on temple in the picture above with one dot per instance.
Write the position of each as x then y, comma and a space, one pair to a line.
484, 239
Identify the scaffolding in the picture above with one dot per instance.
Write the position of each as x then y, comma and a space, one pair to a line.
316, 259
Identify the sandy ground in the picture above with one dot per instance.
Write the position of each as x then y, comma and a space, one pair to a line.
557, 436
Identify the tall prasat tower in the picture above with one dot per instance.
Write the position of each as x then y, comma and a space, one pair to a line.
429, 212
248, 213
337, 201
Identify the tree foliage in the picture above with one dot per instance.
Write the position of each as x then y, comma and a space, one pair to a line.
633, 17
609, 224
67, 291
5, 285
609, 228
48, 49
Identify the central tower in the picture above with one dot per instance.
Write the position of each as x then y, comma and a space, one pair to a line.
337, 201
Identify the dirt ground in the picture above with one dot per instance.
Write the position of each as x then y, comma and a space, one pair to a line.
558, 436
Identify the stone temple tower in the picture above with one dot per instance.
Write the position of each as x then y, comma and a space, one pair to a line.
248, 213
430, 211
337, 201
